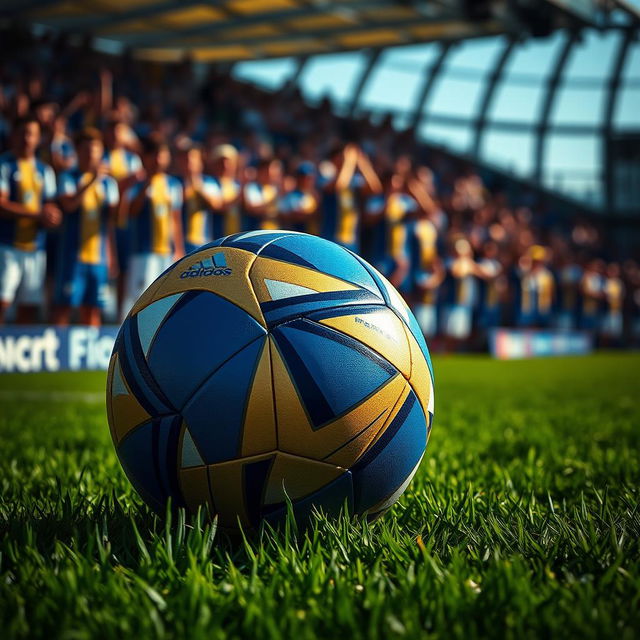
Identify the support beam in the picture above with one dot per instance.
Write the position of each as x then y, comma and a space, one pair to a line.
242, 20
292, 83
550, 95
487, 98
374, 56
432, 75
612, 98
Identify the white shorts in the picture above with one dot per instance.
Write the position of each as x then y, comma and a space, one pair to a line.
143, 270
427, 318
22, 276
457, 323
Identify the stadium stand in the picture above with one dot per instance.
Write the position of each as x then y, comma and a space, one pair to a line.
112, 166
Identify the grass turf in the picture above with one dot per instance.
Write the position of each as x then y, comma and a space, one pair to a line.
522, 521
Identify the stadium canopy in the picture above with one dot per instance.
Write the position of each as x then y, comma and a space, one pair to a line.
212, 31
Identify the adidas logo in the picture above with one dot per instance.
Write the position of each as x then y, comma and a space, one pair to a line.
214, 265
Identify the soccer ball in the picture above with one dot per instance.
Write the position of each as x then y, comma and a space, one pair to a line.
266, 368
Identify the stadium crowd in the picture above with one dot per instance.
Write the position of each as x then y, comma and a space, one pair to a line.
111, 168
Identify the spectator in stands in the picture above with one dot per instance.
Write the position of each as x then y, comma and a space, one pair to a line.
299, 207
89, 199
492, 286
341, 189
261, 197
125, 167
613, 290
462, 273
27, 210
568, 274
225, 166
536, 289
388, 213
592, 290
200, 196
155, 208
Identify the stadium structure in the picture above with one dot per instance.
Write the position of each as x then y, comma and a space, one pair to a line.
506, 84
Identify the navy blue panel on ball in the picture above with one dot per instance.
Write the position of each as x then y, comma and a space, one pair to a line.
332, 372
148, 455
384, 467
252, 241
135, 456
322, 255
201, 332
277, 311
333, 497
215, 414
166, 435
136, 371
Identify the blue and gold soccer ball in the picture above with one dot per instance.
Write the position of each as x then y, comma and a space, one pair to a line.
269, 367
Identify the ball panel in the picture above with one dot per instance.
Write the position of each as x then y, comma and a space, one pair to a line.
331, 371
123, 409
352, 434
376, 327
190, 456
396, 302
232, 483
296, 478
215, 414
279, 311
390, 460
259, 426
201, 332
322, 255
149, 456
267, 269
420, 380
224, 271
381, 507
151, 317
194, 487
330, 499
136, 371
253, 241
246, 490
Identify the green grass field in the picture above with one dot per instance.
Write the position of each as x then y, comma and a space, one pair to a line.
523, 521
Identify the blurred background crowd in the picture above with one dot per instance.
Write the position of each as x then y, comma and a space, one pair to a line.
111, 168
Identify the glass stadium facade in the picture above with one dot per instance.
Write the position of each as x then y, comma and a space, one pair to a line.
562, 111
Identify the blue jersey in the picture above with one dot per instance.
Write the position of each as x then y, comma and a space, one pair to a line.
389, 238
63, 147
83, 235
197, 216
152, 229
122, 163
569, 288
489, 298
536, 294
31, 183
423, 256
303, 203
340, 217
227, 222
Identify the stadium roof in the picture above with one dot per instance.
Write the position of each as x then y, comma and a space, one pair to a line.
228, 30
